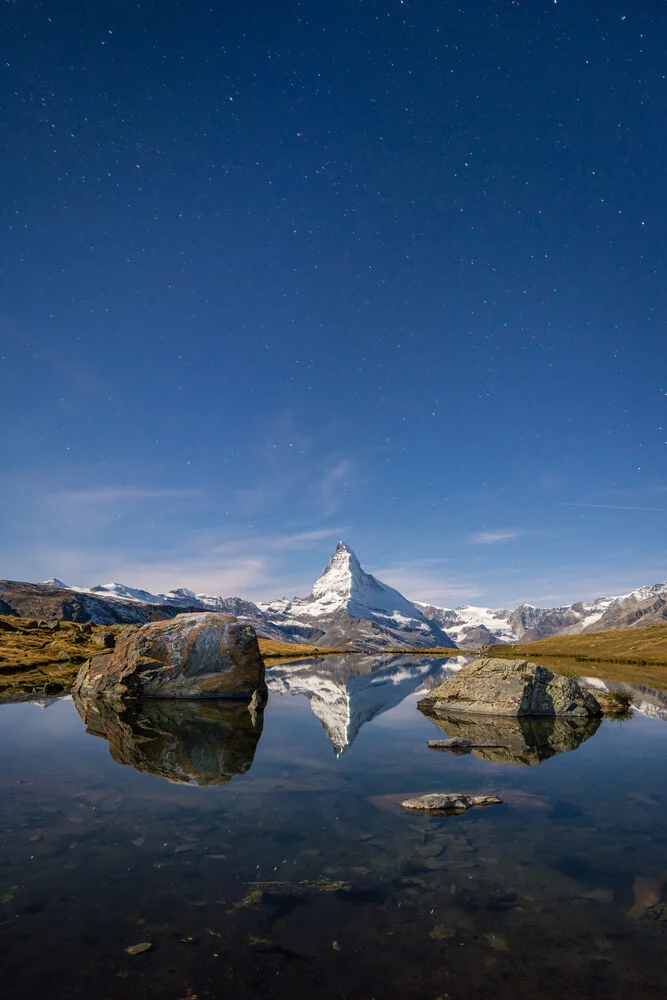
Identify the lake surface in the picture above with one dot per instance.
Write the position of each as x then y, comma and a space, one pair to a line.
270, 857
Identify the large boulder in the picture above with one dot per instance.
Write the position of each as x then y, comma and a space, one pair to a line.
192, 656
494, 686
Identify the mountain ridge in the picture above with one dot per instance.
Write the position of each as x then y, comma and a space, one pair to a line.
346, 609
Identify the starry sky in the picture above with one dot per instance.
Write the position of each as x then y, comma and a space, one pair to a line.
278, 272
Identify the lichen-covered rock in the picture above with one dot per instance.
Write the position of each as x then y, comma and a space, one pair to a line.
494, 686
192, 656
449, 802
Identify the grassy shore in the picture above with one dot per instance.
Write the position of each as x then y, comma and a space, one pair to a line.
634, 645
41, 658
274, 652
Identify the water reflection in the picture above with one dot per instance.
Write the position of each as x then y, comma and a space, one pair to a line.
345, 692
523, 741
186, 742
647, 700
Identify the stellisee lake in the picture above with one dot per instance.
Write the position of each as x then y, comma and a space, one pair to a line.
271, 857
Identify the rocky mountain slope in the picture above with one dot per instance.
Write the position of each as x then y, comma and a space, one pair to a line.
471, 627
347, 609
352, 610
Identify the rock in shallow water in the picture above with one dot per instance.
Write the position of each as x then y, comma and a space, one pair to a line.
191, 656
493, 686
449, 802
460, 745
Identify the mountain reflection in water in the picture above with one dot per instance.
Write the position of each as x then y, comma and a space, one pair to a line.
185, 742
523, 740
347, 691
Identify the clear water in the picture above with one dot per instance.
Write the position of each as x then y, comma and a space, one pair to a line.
292, 871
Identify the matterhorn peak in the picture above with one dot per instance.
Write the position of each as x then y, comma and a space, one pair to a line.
336, 583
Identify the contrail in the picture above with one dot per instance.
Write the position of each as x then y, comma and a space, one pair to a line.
610, 506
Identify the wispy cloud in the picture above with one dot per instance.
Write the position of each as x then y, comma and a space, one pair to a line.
304, 538
612, 506
331, 486
492, 537
421, 581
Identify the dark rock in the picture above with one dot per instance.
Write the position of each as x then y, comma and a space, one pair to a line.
493, 686
191, 656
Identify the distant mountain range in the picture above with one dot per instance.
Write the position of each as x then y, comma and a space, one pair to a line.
347, 609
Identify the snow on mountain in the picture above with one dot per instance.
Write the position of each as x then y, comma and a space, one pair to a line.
350, 609
350, 605
472, 627
55, 583
122, 592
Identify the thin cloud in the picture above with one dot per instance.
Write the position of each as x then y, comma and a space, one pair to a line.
612, 506
332, 485
492, 537
417, 583
304, 538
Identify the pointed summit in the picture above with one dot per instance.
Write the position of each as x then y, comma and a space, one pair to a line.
336, 584
345, 589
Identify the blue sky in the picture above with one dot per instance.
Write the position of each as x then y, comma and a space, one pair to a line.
275, 274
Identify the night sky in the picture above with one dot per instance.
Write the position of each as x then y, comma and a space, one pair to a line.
274, 273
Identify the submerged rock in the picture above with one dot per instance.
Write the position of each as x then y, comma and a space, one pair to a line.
191, 656
523, 741
185, 742
449, 802
459, 745
493, 686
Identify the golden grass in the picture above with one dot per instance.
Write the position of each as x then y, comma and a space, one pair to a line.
38, 657
635, 645
273, 652
429, 651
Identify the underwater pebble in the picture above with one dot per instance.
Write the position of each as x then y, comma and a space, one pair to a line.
136, 949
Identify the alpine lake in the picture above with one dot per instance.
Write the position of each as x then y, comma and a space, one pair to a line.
196, 850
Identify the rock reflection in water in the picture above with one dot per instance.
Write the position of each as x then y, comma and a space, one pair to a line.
347, 691
185, 742
522, 740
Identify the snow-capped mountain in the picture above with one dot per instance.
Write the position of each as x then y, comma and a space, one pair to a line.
471, 627
346, 692
347, 609
353, 610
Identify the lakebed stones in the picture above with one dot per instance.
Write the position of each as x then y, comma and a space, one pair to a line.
444, 803
191, 656
494, 686
459, 744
